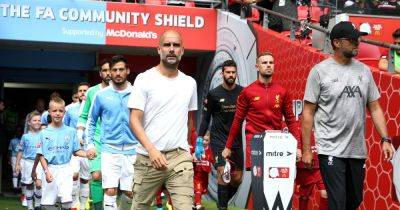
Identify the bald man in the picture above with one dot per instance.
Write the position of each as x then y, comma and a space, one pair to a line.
162, 103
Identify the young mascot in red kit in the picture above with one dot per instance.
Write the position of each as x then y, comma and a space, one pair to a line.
306, 179
202, 167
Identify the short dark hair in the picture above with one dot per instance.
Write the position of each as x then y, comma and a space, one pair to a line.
82, 84
396, 34
228, 63
104, 61
75, 89
264, 54
118, 58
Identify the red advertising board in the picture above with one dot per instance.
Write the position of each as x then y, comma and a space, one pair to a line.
381, 27
141, 25
294, 61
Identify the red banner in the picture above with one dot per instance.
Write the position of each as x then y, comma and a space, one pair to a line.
382, 28
141, 25
293, 61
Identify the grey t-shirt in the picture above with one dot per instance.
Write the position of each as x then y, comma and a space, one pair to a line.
341, 93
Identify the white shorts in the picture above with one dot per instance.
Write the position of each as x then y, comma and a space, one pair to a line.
26, 171
61, 186
117, 169
80, 165
13, 164
84, 169
75, 163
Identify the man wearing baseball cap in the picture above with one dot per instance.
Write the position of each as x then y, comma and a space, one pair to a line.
337, 92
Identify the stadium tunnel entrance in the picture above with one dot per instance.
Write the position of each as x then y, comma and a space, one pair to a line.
29, 71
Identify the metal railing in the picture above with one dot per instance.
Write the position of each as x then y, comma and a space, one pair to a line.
295, 23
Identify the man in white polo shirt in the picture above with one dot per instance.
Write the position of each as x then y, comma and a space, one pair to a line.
162, 106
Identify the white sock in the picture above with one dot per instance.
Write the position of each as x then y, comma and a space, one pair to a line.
29, 198
23, 189
83, 195
38, 196
75, 189
126, 202
15, 182
110, 202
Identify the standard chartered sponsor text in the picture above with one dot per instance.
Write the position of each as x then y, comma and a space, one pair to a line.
131, 34
82, 32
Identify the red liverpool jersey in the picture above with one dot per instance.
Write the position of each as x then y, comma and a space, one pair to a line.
263, 106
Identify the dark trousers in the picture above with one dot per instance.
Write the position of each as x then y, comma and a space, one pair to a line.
344, 180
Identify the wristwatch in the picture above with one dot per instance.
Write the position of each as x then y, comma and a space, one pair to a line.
386, 139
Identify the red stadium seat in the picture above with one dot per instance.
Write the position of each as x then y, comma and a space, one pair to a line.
369, 54
190, 4
316, 12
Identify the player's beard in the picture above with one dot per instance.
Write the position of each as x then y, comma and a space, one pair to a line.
118, 83
350, 53
266, 75
106, 80
229, 81
169, 64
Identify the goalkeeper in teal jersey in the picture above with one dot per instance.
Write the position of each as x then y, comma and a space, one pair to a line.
96, 190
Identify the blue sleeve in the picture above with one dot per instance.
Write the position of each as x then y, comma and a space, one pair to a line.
75, 142
39, 146
94, 114
43, 118
67, 118
20, 146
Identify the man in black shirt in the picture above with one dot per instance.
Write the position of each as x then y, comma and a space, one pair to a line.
220, 104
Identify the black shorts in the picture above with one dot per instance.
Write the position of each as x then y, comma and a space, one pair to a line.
236, 158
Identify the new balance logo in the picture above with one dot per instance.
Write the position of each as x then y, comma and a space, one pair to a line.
351, 92
330, 161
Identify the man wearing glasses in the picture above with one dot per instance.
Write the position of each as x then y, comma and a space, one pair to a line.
384, 63
333, 86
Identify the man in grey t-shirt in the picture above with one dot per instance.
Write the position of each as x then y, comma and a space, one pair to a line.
338, 90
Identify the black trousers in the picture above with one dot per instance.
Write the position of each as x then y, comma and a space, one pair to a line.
344, 180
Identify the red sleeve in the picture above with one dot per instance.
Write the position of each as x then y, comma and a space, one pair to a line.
242, 107
290, 119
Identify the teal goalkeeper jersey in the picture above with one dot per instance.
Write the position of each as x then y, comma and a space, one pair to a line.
85, 112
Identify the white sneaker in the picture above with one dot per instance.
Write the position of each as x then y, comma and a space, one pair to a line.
24, 203
226, 175
76, 205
